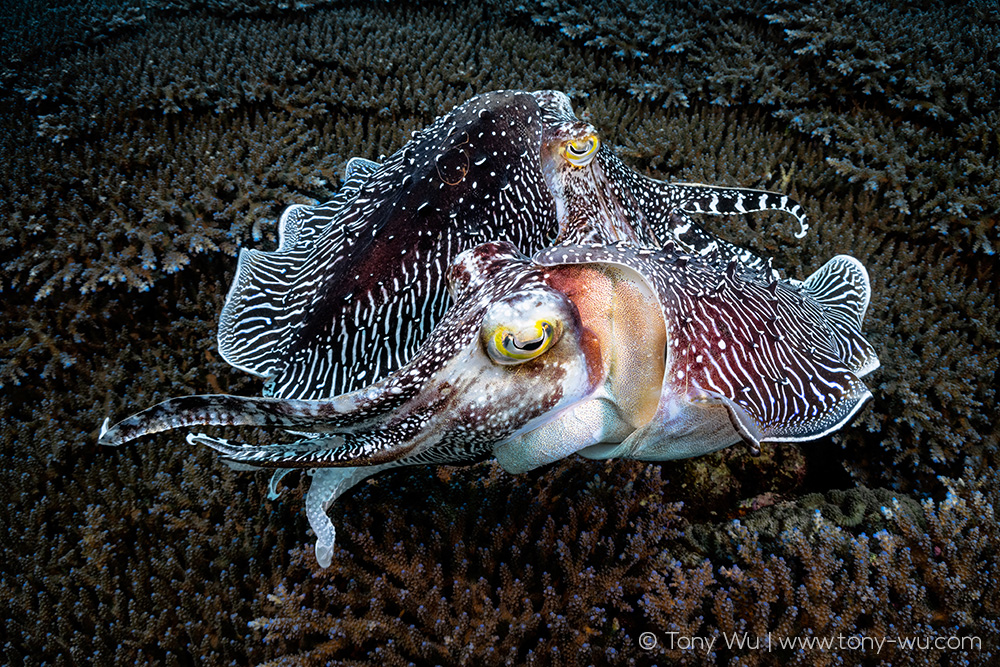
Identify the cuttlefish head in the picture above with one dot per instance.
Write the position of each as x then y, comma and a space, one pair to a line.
591, 190
509, 356
531, 363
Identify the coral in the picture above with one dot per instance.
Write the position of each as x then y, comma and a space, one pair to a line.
144, 143
134, 556
500, 571
899, 95
46, 30
566, 569
903, 582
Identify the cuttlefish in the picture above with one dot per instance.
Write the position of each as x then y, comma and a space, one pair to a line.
607, 351
357, 283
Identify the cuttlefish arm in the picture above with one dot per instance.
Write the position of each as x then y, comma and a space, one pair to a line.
509, 356
470, 385
606, 351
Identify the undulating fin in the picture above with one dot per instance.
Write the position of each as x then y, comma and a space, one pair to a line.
350, 301
765, 349
300, 224
843, 288
259, 318
359, 167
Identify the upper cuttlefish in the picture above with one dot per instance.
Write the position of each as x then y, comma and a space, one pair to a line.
357, 283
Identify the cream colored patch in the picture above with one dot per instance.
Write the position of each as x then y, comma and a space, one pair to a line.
618, 306
639, 341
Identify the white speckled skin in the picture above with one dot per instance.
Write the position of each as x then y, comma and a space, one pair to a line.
357, 283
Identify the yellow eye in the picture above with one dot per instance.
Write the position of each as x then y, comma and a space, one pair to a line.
580, 152
508, 346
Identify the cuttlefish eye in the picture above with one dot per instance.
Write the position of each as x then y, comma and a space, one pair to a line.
522, 327
513, 347
580, 152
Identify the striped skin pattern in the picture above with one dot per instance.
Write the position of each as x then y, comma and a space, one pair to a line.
749, 358
737, 356
405, 419
427, 410
357, 283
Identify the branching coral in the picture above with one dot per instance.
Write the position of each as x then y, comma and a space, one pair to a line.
901, 95
103, 569
563, 572
143, 143
499, 573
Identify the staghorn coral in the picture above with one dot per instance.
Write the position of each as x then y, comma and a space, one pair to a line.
46, 30
75, 589
187, 130
902, 96
493, 578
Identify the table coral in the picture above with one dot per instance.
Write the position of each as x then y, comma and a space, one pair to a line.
138, 158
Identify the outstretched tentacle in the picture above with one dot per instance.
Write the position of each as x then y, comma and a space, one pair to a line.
688, 235
369, 447
670, 221
328, 416
719, 200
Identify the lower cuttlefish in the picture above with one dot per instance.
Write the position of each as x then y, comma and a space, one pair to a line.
607, 351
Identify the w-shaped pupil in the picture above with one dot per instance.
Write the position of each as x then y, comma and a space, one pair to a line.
510, 340
531, 345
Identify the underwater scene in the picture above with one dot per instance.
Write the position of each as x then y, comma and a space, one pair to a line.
508, 333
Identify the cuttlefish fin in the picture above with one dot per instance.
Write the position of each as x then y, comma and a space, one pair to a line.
358, 169
818, 389
842, 287
300, 224
260, 318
